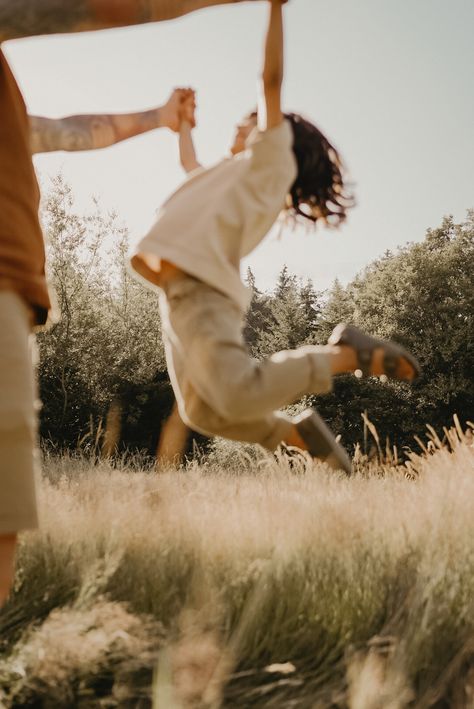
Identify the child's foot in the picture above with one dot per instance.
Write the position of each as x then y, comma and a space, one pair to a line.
311, 434
371, 356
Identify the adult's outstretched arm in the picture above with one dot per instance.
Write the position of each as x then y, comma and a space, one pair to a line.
90, 132
27, 18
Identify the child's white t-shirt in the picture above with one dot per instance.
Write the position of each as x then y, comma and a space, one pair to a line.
220, 214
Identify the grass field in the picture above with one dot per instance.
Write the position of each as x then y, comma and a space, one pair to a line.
261, 585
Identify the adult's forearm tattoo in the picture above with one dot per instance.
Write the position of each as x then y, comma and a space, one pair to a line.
49, 134
88, 132
25, 18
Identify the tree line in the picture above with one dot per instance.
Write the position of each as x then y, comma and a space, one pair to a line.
105, 356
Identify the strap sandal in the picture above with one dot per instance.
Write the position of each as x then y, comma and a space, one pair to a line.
364, 346
321, 442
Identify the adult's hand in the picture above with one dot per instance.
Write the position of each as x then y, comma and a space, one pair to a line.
179, 105
188, 107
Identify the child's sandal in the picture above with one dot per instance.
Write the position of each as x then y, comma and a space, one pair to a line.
320, 441
364, 346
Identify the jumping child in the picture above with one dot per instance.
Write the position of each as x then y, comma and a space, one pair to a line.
193, 252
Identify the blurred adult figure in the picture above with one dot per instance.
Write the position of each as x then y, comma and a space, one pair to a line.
24, 299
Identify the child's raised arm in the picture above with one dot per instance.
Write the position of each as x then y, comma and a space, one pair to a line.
269, 109
187, 152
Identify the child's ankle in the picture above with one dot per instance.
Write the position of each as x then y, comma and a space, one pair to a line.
294, 439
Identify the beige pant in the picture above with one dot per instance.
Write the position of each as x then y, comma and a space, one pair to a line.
17, 417
220, 389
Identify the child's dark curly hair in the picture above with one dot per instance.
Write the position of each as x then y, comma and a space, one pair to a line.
319, 191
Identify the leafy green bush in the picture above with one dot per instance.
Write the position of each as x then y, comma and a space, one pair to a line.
106, 351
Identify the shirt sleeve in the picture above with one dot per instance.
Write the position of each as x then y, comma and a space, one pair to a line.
271, 166
271, 148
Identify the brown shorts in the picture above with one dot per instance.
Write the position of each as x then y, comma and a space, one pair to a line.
17, 416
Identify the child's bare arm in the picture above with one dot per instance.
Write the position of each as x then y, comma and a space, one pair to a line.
187, 151
90, 132
269, 110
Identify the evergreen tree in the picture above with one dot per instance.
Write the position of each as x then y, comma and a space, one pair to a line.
258, 315
338, 307
311, 305
294, 309
286, 283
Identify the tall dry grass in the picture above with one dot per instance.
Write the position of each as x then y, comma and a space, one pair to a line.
261, 585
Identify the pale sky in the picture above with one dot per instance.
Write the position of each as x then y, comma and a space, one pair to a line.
389, 81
